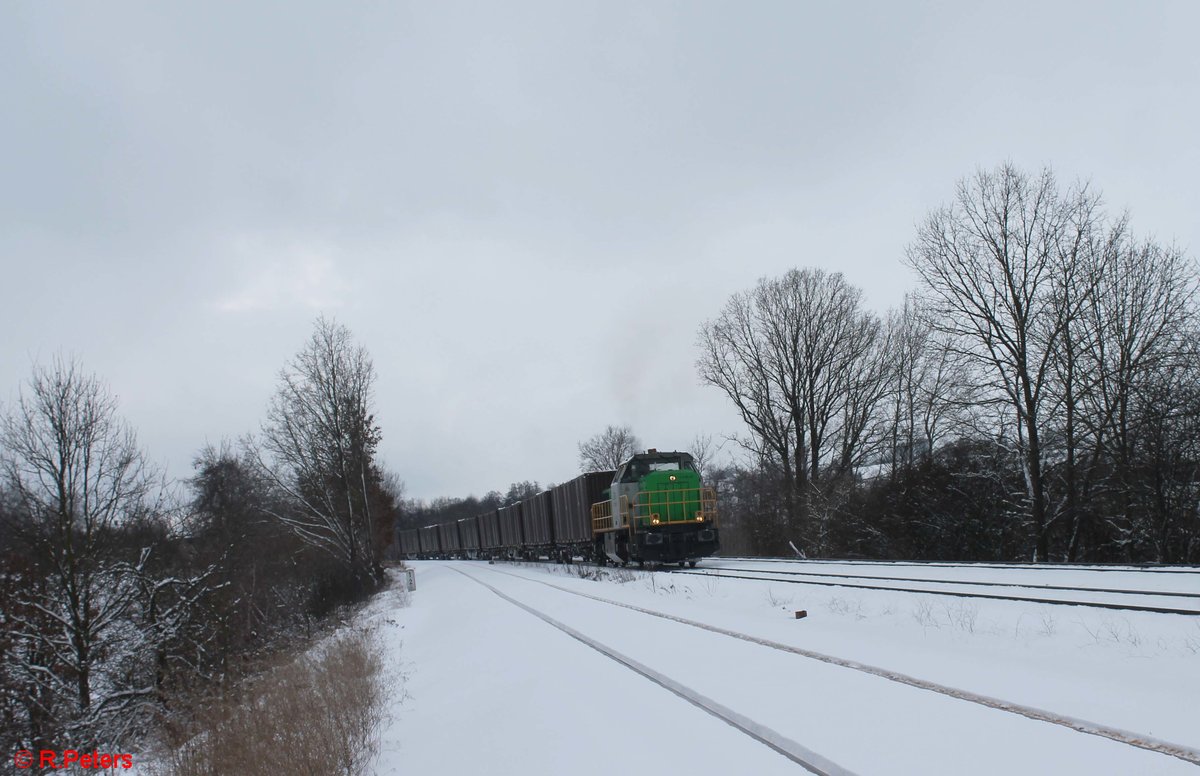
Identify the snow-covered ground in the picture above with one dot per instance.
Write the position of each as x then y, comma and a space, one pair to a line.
490, 686
1166, 578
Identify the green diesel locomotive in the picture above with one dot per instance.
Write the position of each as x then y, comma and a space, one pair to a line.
653, 509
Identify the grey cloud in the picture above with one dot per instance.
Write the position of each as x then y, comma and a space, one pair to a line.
523, 210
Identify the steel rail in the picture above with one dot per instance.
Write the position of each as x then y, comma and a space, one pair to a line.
957, 594
1070, 588
1180, 751
1097, 567
797, 753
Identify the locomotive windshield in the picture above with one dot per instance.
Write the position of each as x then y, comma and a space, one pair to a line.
643, 464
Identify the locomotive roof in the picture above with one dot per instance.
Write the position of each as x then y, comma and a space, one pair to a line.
656, 455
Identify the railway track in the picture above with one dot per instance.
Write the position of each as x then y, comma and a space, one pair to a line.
1089, 567
764, 575
1179, 751
969, 583
797, 753
758, 575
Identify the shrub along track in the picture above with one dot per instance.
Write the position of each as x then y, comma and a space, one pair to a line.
1180, 751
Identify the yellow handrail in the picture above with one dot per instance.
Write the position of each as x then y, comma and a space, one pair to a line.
674, 507
602, 517
671, 507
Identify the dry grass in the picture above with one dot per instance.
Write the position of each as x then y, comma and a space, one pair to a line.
317, 714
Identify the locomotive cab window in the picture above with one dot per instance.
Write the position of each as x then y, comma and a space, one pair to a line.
632, 471
640, 466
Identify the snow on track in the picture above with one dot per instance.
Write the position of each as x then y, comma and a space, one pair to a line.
857, 720
1185, 753
1168, 576
1135, 601
1128, 670
1192, 585
925, 564
490, 689
802, 756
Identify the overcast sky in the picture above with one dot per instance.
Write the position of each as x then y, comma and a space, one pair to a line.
524, 211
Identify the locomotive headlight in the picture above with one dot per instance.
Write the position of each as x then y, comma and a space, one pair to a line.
655, 521
672, 478
699, 518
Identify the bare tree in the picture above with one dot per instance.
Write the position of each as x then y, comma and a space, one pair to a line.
75, 473
1164, 521
928, 391
704, 450
804, 365
992, 265
735, 357
520, 491
609, 449
321, 437
1137, 332
263, 570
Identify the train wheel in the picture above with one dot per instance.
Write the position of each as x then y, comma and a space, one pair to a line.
692, 563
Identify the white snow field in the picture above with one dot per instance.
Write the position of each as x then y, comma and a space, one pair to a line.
530, 669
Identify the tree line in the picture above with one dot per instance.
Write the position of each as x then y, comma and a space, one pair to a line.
124, 596
1037, 396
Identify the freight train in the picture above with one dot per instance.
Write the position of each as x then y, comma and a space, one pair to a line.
652, 509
